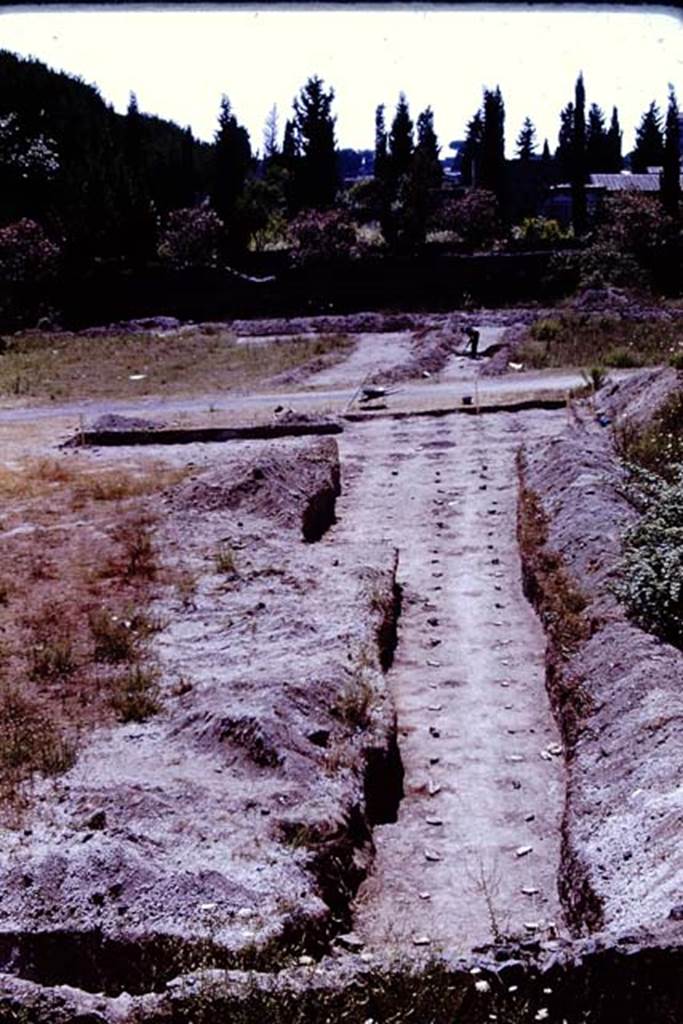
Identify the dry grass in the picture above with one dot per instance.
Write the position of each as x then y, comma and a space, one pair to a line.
80, 568
34, 478
560, 604
31, 741
60, 367
572, 339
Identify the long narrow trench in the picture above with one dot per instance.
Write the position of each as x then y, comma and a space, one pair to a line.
474, 854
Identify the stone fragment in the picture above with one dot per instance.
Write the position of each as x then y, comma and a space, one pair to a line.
522, 851
351, 941
432, 855
97, 821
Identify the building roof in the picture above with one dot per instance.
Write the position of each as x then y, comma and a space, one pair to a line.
626, 182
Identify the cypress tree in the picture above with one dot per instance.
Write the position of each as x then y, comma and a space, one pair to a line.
578, 178
565, 143
492, 162
597, 153
671, 169
472, 150
400, 140
614, 159
426, 156
381, 151
317, 177
649, 148
231, 162
526, 140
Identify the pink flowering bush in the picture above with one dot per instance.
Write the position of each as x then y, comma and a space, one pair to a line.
29, 262
27, 255
192, 238
320, 238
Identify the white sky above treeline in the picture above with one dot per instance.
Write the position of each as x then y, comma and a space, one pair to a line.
179, 60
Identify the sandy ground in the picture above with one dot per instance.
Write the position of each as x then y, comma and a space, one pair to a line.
372, 354
475, 852
475, 727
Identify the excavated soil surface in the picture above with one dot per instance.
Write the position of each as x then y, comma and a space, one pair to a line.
475, 851
368, 745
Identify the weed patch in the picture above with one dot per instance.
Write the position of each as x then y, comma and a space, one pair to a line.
30, 743
573, 339
353, 706
120, 364
136, 695
560, 604
75, 622
224, 561
659, 448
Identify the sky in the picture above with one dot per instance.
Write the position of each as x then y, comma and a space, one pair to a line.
179, 61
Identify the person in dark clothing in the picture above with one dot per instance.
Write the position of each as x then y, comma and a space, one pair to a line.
472, 340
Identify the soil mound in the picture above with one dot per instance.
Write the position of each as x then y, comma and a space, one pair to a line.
296, 485
615, 688
113, 422
634, 401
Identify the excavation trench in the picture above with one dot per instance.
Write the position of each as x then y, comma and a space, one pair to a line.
474, 851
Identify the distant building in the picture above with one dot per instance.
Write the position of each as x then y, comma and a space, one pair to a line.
558, 205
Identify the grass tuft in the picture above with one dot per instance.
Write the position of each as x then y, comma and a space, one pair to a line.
30, 742
137, 694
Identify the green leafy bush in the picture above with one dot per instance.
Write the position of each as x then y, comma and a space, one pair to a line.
658, 448
651, 571
540, 231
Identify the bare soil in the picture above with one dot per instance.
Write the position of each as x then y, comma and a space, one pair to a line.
376, 779
474, 725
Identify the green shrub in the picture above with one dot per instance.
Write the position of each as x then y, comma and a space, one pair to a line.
622, 358
546, 330
658, 448
540, 231
651, 571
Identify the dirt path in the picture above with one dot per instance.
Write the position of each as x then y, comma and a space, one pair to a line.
476, 847
372, 354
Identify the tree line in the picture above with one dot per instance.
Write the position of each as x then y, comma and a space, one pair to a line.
136, 187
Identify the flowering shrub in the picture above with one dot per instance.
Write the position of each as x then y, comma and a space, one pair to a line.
27, 256
28, 156
322, 238
29, 262
651, 570
473, 217
192, 238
